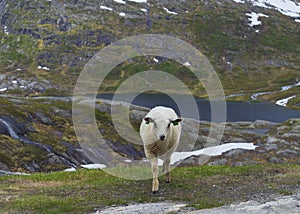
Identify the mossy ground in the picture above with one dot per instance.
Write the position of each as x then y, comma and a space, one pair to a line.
200, 187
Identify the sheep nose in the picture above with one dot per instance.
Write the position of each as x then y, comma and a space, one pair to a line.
162, 137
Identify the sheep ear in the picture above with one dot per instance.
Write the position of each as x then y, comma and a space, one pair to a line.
148, 120
176, 122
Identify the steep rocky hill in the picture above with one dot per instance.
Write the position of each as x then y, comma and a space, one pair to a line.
254, 46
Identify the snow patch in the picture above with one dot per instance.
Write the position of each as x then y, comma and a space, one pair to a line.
94, 166
256, 95
122, 14
254, 18
138, 1
284, 102
210, 151
106, 8
187, 64
43, 68
170, 12
120, 1
287, 87
155, 60
144, 10
3, 89
6, 30
70, 170
286, 7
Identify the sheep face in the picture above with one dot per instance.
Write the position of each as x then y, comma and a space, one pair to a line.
161, 128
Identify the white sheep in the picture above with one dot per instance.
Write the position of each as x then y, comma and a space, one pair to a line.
160, 132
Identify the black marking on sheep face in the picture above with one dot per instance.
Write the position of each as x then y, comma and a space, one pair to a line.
161, 127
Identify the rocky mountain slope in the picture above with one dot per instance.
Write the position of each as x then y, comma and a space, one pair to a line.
254, 46
42, 138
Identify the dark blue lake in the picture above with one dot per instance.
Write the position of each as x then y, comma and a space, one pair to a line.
236, 111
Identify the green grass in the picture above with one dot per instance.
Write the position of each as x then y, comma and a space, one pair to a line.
200, 187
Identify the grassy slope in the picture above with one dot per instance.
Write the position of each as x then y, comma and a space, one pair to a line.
200, 187
262, 61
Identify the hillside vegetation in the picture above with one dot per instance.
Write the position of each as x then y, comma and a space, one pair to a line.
52, 40
199, 187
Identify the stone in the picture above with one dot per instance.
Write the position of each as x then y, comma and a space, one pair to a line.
43, 118
234, 152
271, 146
291, 135
244, 163
275, 160
3, 167
296, 129
259, 124
287, 152
220, 162
272, 140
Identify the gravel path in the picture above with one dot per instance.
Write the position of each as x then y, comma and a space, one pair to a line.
280, 205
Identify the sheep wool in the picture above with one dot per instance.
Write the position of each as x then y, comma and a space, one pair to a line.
160, 132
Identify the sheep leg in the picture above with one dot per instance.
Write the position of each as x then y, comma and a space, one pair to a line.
166, 169
155, 182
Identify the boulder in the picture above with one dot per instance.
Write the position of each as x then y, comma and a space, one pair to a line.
262, 124
43, 118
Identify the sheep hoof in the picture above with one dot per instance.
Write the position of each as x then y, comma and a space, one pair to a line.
155, 192
168, 181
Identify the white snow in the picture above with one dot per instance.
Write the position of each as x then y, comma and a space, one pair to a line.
155, 60
122, 14
283, 102
144, 10
128, 161
139, 1
72, 169
106, 8
254, 18
287, 87
14, 82
120, 1
210, 151
187, 64
5, 30
256, 95
170, 12
286, 7
3, 89
297, 20
44, 68
94, 166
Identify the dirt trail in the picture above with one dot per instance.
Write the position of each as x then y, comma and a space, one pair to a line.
280, 204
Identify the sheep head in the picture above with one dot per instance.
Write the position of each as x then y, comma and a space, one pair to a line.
161, 127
